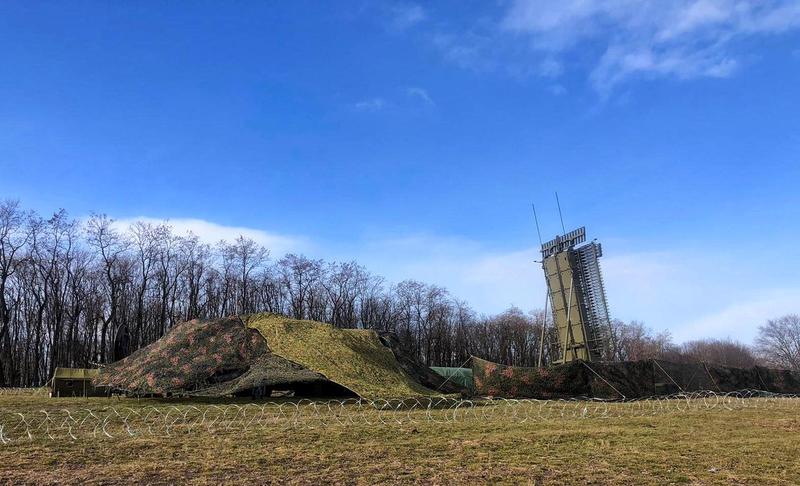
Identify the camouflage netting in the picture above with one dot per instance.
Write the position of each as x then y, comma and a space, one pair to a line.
228, 357
422, 374
629, 379
492, 379
354, 358
218, 357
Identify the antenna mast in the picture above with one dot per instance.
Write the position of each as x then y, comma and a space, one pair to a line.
547, 297
560, 216
536, 219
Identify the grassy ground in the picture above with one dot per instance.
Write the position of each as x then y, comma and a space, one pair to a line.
700, 447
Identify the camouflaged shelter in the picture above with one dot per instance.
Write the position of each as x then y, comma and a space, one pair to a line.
260, 354
75, 382
624, 379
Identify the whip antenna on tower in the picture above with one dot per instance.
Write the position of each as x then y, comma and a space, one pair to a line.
560, 216
547, 297
536, 219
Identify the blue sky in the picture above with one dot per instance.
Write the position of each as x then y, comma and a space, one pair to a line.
413, 137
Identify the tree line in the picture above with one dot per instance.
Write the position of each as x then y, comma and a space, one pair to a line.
83, 293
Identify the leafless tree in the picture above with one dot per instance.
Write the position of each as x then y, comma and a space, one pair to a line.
300, 276
778, 342
144, 242
169, 270
634, 341
345, 282
111, 247
196, 257
13, 238
725, 352
244, 257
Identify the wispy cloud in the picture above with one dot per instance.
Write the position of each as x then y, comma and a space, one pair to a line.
740, 319
414, 97
489, 280
370, 104
406, 15
467, 50
211, 233
695, 294
620, 39
420, 94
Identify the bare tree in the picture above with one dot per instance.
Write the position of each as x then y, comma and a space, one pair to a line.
168, 273
196, 261
52, 248
634, 341
725, 352
778, 342
245, 256
13, 237
144, 242
299, 275
111, 246
344, 284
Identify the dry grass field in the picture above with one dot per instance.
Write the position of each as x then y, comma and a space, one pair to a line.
750, 446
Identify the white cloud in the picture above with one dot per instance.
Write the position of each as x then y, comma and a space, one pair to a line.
370, 104
467, 51
696, 294
489, 280
416, 94
741, 319
212, 233
551, 68
621, 62
682, 39
404, 16
420, 94
559, 24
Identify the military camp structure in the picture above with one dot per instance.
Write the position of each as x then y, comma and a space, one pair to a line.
75, 382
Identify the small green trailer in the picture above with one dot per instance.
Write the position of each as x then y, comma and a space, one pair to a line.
76, 382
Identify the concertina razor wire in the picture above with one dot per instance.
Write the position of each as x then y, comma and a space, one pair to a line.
171, 420
33, 392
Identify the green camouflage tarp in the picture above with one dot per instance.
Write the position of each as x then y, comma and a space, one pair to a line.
460, 376
627, 379
215, 357
225, 357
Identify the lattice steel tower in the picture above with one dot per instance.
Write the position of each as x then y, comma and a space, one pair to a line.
577, 296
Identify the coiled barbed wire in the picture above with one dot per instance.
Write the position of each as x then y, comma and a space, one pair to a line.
171, 420
12, 391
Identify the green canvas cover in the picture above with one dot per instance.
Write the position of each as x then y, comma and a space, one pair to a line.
75, 382
76, 373
459, 376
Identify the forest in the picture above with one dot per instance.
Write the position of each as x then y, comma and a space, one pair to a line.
84, 292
